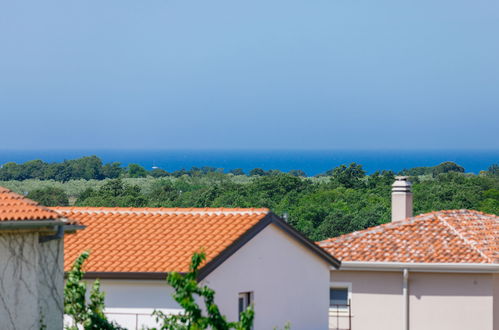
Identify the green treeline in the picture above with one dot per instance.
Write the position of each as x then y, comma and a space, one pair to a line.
92, 168
342, 200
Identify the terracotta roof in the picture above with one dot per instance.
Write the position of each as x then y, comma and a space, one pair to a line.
14, 207
453, 236
153, 239
138, 241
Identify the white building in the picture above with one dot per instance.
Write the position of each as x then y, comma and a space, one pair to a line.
435, 271
252, 257
31, 264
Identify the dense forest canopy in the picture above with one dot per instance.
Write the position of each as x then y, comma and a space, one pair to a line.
341, 200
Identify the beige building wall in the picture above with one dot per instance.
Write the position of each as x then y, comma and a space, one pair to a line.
496, 301
376, 300
437, 301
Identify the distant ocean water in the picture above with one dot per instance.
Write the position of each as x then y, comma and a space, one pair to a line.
312, 162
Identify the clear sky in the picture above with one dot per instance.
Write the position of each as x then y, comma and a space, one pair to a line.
230, 74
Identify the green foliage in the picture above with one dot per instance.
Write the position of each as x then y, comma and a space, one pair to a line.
257, 172
86, 168
320, 207
192, 318
49, 196
113, 193
297, 173
158, 173
86, 314
237, 171
493, 170
136, 171
445, 167
349, 177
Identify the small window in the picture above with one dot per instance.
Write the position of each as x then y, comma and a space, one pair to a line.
338, 297
245, 300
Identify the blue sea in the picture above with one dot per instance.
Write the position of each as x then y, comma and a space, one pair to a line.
312, 162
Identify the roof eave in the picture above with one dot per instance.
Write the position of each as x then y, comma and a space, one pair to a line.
126, 275
420, 267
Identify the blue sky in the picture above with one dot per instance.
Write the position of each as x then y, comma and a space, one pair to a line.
225, 74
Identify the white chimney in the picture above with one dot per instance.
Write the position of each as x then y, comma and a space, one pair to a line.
401, 199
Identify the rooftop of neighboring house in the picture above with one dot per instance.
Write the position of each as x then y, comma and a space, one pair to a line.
15, 207
451, 236
145, 241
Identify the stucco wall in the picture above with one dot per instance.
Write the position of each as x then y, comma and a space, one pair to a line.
438, 301
496, 301
51, 283
131, 303
289, 283
376, 300
31, 282
19, 281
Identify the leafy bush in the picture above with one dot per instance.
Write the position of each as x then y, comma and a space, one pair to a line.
49, 196
86, 314
192, 318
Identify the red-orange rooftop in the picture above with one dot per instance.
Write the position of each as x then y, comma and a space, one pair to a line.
452, 236
14, 207
153, 240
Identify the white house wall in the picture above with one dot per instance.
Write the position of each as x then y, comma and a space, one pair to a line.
289, 283
131, 302
51, 283
438, 301
19, 281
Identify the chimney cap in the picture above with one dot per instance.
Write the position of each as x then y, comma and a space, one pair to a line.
401, 184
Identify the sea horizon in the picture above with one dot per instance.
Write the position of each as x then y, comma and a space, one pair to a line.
312, 162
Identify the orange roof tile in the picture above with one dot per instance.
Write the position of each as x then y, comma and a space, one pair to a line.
153, 239
452, 236
14, 207
161, 240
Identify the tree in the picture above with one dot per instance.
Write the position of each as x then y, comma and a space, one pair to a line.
112, 170
447, 167
493, 170
257, 171
49, 196
113, 193
136, 171
88, 315
192, 318
349, 177
158, 173
237, 171
297, 173
86, 168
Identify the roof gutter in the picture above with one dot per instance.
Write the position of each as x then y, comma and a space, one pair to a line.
420, 267
40, 224
33, 224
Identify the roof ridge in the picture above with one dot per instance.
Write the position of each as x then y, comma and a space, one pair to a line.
381, 227
406, 221
162, 211
467, 241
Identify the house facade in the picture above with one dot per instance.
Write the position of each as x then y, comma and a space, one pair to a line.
253, 257
435, 271
31, 263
